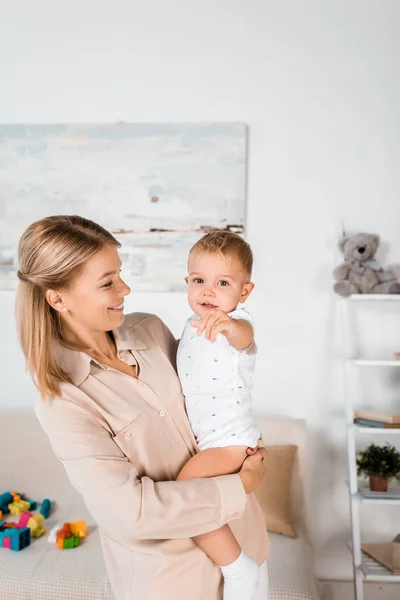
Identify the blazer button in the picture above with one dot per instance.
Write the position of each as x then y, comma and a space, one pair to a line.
162, 413
127, 435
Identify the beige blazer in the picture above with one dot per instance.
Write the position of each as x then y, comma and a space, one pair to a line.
123, 441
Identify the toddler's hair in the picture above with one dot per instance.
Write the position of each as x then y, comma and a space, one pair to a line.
226, 244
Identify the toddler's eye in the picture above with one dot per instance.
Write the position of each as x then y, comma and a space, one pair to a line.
197, 280
223, 283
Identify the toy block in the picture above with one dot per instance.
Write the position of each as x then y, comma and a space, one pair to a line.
36, 525
17, 508
6, 542
6, 499
20, 539
79, 528
24, 518
52, 538
65, 531
71, 542
17, 495
45, 508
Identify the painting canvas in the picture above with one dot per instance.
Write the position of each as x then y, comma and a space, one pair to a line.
156, 187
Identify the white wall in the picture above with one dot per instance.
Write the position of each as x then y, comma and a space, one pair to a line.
318, 85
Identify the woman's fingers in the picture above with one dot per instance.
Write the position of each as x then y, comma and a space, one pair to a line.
253, 470
262, 452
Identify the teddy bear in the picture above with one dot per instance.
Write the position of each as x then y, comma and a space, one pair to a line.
360, 273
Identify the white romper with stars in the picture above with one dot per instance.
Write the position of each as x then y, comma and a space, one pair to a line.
216, 381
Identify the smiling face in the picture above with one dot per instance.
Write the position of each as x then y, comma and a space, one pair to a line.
216, 282
95, 301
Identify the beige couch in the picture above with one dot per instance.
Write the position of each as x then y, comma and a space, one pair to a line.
41, 572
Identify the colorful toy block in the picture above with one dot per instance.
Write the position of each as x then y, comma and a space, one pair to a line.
53, 534
36, 525
79, 528
14, 538
5, 500
19, 507
65, 543
23, 520
65, 531
70, 534
45, 508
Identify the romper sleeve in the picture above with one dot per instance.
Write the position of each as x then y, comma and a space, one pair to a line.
123, 505
242, 313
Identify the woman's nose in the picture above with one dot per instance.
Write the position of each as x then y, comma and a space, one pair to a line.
126, 289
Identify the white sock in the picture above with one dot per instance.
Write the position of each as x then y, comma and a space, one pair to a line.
241, 578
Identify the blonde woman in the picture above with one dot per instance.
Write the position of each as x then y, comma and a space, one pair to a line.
112, 407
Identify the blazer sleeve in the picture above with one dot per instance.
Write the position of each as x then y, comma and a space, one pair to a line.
123, 505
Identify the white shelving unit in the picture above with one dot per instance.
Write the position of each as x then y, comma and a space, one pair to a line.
364, 567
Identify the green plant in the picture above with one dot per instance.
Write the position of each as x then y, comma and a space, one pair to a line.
383, 461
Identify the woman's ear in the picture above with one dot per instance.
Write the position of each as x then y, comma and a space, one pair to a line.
246, 291
55, 300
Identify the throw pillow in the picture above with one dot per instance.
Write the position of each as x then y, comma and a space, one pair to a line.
274, 494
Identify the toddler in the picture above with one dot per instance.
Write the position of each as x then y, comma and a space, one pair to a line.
216, 358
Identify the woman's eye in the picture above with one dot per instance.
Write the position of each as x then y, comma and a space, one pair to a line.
223, 283
109, 284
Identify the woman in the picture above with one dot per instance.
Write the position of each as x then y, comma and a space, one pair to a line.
113, 410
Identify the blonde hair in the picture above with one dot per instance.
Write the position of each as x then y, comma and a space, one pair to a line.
51, 254
226, 244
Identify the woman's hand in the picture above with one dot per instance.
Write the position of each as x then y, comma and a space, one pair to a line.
253, 470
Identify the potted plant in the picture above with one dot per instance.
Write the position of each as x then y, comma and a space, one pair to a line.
380, 464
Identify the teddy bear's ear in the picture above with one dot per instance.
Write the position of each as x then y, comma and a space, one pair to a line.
376, 239
342, 243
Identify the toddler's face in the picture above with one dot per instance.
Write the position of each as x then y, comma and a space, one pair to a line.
216, 282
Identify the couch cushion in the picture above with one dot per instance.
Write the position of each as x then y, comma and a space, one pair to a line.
290, 567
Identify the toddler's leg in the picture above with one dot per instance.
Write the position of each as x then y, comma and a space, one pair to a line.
241, 573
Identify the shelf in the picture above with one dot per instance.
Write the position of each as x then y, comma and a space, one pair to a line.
375, 297
378, 430
368, 497
372, 362
374, 571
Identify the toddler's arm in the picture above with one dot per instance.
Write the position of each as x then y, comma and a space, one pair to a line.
238, 332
